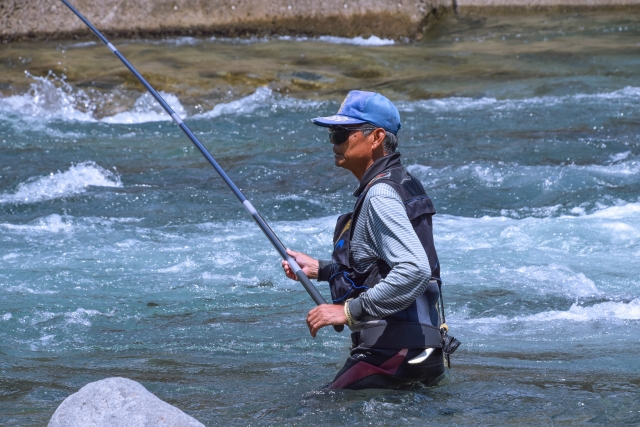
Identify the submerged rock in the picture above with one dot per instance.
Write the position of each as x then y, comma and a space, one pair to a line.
118, 402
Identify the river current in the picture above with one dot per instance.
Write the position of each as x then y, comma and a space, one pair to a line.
122, 253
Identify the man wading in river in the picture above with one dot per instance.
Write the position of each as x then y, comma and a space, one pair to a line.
384, 270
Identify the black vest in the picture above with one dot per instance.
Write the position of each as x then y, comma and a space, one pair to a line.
346, 282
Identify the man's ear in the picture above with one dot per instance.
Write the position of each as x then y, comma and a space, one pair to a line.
378, 138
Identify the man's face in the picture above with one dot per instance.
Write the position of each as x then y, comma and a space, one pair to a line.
354, 153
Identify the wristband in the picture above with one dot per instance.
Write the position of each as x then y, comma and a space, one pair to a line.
350, 320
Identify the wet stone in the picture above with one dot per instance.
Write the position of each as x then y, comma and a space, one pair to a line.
118, 402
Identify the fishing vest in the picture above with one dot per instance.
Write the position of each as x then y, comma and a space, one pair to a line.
417, 326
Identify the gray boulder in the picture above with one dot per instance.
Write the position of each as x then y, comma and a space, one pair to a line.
118, 402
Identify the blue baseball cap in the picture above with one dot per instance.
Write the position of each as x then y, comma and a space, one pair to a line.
361, 107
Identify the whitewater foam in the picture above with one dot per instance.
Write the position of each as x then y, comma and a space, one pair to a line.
357, 41
620, 156
455, 232
52, 98
76, 180
554, 278
242, 106
147, 109
534, 180
621, 228
38, 317
625, 210
628, 168
179, 268
262, 98
465, 103
607, 311
80, 45
49, 98
617, 212
240, 40
80, 316
23, 288
53, 223
182, 41
194, 41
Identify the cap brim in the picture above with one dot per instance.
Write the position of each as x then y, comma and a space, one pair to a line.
336, 120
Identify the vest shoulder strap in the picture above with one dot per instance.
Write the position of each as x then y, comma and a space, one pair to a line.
410, 190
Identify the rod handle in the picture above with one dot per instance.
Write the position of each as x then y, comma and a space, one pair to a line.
312, 290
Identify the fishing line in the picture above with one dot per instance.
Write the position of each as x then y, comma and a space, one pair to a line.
268, 232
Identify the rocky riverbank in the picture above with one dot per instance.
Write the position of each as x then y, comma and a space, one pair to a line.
512, 7
50, 19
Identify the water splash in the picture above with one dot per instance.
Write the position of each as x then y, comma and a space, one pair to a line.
76, 180
81, 316
356, 41
262, 98
554, 278
615, 212
609, 310
147, 109
246, 105
49, 98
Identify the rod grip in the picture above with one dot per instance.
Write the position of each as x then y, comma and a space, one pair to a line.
313, 291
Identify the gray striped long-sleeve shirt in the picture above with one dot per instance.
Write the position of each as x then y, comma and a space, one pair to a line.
383, 231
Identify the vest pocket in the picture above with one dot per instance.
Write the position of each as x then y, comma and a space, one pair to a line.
343, 288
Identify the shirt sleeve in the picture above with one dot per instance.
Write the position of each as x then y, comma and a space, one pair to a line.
324, 270
392, 238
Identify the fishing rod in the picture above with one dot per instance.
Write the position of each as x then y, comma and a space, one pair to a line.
277, 244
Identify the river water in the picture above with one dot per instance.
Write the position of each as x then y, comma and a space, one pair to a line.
123, 254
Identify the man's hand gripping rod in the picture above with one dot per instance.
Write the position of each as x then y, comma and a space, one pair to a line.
310, 288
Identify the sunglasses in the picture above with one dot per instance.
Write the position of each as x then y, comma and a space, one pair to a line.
341, 135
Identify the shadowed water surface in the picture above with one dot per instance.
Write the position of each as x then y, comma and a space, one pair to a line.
123, 254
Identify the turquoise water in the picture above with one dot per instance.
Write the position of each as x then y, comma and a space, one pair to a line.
123, 254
